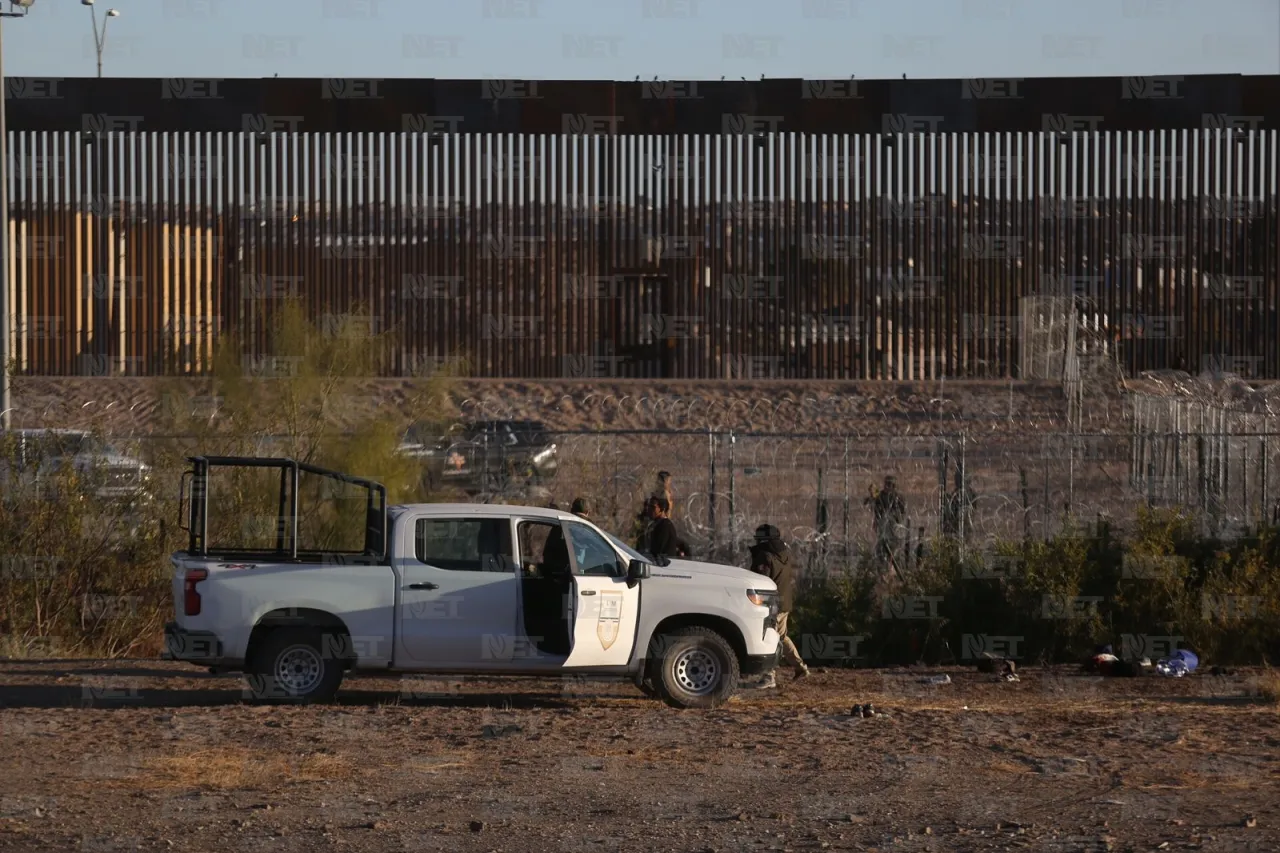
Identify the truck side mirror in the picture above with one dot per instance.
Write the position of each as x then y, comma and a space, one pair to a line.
637, 571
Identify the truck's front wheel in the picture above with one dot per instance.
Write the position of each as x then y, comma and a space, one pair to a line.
698, 669
291, 665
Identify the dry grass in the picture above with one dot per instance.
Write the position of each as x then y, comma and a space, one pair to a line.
426, 765
1152, 779
653, 754
1001, 766
1267, 686
240, 769
17, 647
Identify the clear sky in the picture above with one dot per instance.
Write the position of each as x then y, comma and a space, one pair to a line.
670, 39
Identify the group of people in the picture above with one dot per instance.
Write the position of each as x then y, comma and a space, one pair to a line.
656, 536
655, 533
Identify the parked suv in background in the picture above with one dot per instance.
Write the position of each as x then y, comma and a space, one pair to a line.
483, 456
39, 453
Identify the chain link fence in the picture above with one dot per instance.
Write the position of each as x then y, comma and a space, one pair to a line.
978, 465
817, 488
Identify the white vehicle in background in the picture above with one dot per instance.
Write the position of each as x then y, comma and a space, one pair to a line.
33, 458
452, 588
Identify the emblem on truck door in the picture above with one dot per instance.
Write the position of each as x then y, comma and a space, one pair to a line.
610, 618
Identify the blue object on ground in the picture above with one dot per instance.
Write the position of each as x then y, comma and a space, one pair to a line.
1178, 664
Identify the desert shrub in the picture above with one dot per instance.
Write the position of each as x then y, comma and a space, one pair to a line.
832, 607
84, 576
1145, 592
79, 574
1233, 614
306, 402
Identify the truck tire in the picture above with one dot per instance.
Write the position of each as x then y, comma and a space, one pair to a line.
698, 669
291, 666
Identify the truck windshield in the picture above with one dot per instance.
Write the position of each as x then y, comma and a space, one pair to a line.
632, 553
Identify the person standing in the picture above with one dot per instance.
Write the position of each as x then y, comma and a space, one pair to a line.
771, 557
890, 513
580, 508
664, 541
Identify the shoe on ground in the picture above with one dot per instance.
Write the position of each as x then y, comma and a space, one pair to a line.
802, 672
769, 682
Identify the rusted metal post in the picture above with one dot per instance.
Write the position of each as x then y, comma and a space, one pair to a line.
733, 509
711, 487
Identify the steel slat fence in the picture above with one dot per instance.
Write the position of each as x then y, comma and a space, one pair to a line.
828, 256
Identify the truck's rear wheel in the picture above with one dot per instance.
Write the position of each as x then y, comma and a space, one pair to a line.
291, 665
698, 669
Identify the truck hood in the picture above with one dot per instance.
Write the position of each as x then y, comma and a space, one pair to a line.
699, 569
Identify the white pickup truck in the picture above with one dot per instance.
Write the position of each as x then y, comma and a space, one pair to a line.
453, 588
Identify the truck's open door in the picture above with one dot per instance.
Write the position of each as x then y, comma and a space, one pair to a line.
604, 608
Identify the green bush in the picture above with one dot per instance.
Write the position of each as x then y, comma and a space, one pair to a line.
1057, 600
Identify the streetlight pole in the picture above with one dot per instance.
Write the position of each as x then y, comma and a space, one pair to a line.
6, 319
99, 38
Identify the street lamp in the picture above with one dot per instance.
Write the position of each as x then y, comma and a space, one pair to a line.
5, 319
99, 38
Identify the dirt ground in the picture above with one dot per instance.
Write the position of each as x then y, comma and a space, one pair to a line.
144, 755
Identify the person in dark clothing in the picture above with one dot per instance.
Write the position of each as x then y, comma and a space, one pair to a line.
644, 526
555, 555
958, 508
771, 557
580, 508
664, 541
890, 513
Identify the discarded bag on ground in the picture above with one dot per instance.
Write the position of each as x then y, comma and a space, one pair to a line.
1180, 663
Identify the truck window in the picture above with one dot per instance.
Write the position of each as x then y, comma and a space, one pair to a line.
543, 552
464, 544
593, 554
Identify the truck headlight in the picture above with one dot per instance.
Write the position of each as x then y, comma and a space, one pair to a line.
763, 598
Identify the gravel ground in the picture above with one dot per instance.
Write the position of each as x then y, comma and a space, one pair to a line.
145, 755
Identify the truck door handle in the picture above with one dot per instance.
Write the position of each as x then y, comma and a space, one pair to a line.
424, 585
588, 592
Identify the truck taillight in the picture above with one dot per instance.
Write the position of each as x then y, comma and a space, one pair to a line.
191, 598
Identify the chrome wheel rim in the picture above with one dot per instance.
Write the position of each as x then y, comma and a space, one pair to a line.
298, 669
697, 672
